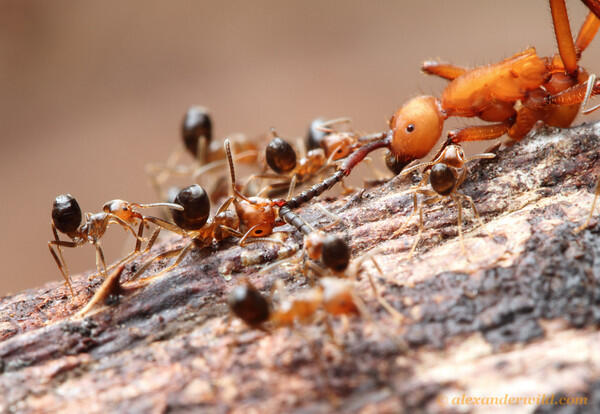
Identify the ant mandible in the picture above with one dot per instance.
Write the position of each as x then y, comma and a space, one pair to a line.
515, 94
67, 219
445, 173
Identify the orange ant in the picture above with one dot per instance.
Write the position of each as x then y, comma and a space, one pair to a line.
515, 94
445, 173
197, 133
67, 219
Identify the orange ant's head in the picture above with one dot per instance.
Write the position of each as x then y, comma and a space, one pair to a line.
121, 209
416, 128
339, 144
256, 214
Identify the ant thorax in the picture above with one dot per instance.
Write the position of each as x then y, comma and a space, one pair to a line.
313, 161
95, 226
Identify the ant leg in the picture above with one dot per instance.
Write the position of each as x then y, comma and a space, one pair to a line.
336, 219
587, 221
60, 255
587, 31
109, 286
382, 301
100, 261
478, 133
61, 265
564, 38
292, 187
152, 239
165, 225
418, 237
458, 203
594, 6
415, 208
163, 255
246, 239
481, 223
443, 70
267, 176
578, 93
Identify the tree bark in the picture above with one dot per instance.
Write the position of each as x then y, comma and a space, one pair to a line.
516, 318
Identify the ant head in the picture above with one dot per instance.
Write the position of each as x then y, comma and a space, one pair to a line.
315, 134
335, 253
66, 213
196, 125
249, 305
340, 142
416, 128
394, 164
453, 156
119, 208
442, 178
196, 208
280, 155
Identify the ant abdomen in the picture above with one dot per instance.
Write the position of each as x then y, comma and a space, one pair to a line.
196, 208
66, 213
249, 305
280, 156
335, 253
315, 134
442, 179
196, 125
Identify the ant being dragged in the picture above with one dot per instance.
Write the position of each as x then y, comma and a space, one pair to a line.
67, 219
197, 135
253, 220
445, 173
513, 94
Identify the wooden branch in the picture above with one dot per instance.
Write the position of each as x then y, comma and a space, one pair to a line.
518, 317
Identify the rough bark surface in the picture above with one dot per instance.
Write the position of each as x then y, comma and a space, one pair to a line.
518, 317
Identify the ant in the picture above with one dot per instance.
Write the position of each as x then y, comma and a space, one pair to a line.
254, 219
445, 173
67, 219
334, 296
197, 134
514, 93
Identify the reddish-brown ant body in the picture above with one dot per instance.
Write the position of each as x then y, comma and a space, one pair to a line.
514, 94
67, 219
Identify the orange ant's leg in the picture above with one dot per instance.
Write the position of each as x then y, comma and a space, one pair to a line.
443, 70
594, 6
564, 38
526, 119
478, 133
578, 93
588, 30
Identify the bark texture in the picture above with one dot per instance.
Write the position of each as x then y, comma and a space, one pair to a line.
519, 316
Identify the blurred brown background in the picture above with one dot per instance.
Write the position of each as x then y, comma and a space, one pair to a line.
92, 91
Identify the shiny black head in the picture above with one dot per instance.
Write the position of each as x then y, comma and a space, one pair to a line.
442, 179
335, 253
394, 164
196, 206
66, 213
196, 125
314, 136
280, 156
249, 305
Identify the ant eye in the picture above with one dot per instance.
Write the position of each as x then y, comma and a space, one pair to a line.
258, 231
410, 128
